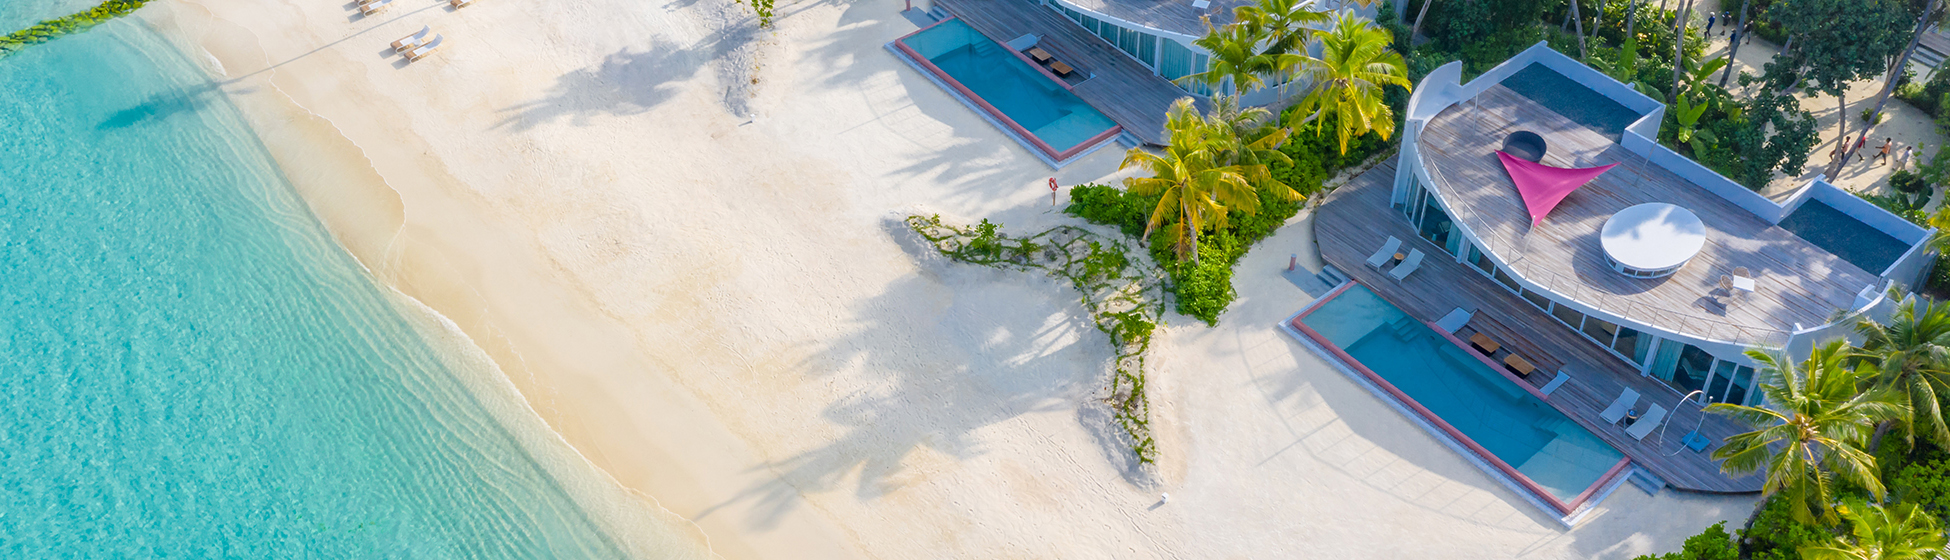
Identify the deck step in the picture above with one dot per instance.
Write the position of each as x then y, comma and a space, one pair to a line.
1646, 481
1332, 276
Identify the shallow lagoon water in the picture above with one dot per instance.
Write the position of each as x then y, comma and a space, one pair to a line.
191, 367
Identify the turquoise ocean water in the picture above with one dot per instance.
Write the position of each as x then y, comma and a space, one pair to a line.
190, 367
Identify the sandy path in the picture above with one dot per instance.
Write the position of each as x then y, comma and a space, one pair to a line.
720, 312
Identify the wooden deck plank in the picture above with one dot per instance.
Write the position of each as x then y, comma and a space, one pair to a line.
1798, 281
1356, 218
1121, 87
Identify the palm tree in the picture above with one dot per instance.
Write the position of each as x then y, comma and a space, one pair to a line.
1196, 189
1235, 55
1911, 355
1355, 63
1252, 138
1810, 438
1285, 24
1898, 532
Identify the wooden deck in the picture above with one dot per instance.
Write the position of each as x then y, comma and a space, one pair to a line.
1355, 219
1120, 87
1798, 281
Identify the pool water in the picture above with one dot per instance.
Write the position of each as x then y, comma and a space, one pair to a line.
1846, 237
1571, 99
1511, 423
1022, 94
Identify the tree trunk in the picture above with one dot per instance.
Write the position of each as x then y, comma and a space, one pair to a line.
1598, 19
1569, 15
1419, 16
1733, 48
1678, 47
1631, 17
1841, 134
1882, 429
1579, 20
1902, 63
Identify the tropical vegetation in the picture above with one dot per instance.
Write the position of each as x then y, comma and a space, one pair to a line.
52, 29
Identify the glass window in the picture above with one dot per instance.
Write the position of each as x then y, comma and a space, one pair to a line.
1505, 279
1174, 60
1742, 380
1537, 299
1633, 344
1571, 317
1127, 41
1148, 49
1199, 64
1480, 259
1690, 374
1435, 224
1600, 330
1723, 370
1109, 32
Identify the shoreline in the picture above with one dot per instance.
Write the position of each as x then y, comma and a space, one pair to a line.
369, 221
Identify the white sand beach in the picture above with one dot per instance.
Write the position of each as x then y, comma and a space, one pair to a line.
718, 310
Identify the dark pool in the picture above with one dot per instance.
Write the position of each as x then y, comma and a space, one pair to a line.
1863, 246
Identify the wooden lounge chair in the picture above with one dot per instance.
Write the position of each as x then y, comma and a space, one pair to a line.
1408, 265
1620, 406
1647, 423
1038, 53
413, 41
1387, 250
371, 8
425, 50
1555, 383
1484, 343
460, 3
1519, 365
1061, 68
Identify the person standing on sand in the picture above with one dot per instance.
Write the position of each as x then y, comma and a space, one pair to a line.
1883, 152
1903, 160
1837, 152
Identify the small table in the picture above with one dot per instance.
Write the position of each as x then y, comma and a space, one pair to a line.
1061, 68
1743, 283
1631, 417
1038, 53
1399, 257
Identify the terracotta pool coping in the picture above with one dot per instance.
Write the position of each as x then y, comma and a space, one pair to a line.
1563, 508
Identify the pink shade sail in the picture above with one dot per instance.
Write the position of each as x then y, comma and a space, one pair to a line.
1543, 186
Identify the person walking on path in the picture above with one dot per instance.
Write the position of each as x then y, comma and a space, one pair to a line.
1709, 24
1883, 152
1856, 151
1840, 147
1902, 161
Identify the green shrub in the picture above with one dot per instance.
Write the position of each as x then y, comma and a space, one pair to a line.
1712, 544
73, 23
1775, 535
1925, 482
1905, 181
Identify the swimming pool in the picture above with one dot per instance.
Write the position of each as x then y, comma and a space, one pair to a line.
1035, 106
1845, 236
1574, 101
1507, 424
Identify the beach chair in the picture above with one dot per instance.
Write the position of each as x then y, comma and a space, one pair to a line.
1619, 407
1387, 251
1647, 423
425, 50
371, 8
413, 41
1408, 265
457, 4
1555, 383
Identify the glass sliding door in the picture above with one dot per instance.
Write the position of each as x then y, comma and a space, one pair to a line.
1633, 344
1436, 226
1743, 379
1695, 366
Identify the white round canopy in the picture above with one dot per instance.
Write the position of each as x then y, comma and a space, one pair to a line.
1651, 239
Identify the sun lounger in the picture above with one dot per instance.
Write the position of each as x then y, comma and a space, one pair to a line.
1619, 407
374, 7
1387, 250
1555, 383
1484, 343
1454, 321
1647, 423
425, 50
460, 3
1408, 265
413, 41
1519, 365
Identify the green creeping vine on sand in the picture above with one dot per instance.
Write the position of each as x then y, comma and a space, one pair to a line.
1124, 296
74, 23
